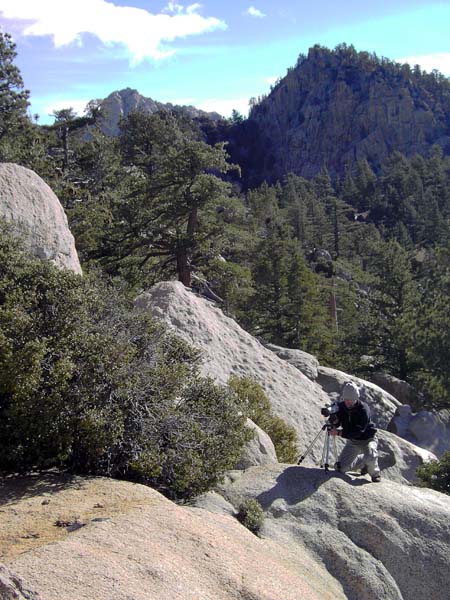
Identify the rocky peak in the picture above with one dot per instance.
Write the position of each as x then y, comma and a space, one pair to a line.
120, 104
337, 107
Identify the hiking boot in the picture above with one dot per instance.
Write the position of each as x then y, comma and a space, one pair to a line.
364, 470
376, 478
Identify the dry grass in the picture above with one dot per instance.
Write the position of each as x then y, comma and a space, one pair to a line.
42, 508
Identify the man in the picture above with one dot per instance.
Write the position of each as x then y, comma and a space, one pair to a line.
353, 416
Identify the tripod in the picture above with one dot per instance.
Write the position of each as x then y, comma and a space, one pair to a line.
328, 446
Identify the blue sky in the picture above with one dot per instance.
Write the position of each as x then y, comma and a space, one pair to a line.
213, 54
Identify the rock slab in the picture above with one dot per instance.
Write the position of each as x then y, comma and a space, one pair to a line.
141, 546
381, 540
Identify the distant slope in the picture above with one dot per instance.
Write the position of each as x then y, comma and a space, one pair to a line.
120, 103
337, 107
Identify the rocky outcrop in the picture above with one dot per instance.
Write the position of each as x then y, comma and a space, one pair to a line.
135, 544
379, 540
120, 104
325, 536
399, 458
337, 107
427, 429
229, 350
37, 216
401, 390
304, 362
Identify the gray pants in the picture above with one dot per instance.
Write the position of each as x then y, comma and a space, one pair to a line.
357, 453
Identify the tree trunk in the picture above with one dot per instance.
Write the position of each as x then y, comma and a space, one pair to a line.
183, 267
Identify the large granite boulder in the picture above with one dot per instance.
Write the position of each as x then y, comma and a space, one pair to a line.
37, 216
399, 458
380, 540
325, 536
304, 362
229, 350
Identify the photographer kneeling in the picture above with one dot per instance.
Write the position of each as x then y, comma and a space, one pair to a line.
353, 415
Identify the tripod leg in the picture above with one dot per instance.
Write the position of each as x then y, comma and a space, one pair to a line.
327, 451
336, 463
324, 453
308, 449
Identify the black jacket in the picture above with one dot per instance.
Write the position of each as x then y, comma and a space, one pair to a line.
355, 421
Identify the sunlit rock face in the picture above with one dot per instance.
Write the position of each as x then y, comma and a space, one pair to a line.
227, 350
37, 216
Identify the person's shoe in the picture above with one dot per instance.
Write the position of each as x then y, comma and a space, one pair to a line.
364, 470
376, 478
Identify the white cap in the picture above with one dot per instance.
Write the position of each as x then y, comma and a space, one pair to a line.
350, 391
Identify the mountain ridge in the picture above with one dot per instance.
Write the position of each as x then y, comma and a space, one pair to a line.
337, 107
333, 109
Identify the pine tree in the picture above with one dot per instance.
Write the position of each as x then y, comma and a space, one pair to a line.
13, 96
288, 307
165, 217
430, 348
385, 332
365, 182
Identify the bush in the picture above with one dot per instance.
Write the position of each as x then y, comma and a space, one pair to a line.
436, 474
251, 515
91, 385
258, 409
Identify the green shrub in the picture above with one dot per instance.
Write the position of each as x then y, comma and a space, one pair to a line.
258, 409
284, 438
89, 384
436, 474
251, 515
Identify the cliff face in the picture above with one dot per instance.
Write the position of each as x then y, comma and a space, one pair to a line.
121, 103
337, 107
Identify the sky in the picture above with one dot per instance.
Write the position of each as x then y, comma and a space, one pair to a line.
214, 54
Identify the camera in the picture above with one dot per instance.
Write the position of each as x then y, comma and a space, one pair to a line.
329, 410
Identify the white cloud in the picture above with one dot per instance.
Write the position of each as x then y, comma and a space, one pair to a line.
78, 106
224, 107
428, 62
181, 101
255, 12
271, 80
192, 8
144, 34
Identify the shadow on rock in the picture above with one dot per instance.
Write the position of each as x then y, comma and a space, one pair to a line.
295, 484
15, 487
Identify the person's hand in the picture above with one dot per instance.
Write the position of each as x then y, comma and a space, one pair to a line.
334, 431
